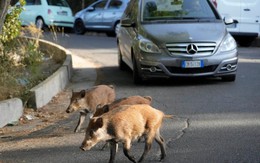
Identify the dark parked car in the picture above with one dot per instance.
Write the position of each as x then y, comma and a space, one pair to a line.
103, 15
180, 38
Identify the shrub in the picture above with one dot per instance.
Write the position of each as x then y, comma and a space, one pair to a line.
21, 61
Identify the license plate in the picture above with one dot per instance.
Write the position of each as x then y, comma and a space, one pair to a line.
64, 13
192, 64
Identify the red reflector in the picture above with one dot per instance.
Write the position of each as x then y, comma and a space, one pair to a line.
49, 11
215, 3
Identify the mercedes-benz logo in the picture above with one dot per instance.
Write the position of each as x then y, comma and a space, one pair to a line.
192, 49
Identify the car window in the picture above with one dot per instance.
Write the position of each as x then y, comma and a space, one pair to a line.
115, 4
176, 9
33, 2
130, 12
58, 3
100, 5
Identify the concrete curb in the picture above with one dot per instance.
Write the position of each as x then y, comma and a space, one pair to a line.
45, 91
11, 110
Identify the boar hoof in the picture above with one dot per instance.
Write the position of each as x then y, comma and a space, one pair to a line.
76, 130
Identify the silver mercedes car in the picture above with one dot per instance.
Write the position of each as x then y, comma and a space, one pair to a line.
176, 38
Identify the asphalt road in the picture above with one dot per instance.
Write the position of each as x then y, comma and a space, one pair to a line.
216, 122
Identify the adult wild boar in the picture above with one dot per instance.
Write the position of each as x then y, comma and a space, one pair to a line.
124, 124
131, 100
87, 101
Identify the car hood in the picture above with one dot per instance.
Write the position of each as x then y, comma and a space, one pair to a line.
183, 32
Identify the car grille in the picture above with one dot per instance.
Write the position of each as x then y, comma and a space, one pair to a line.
183, 49
179, 70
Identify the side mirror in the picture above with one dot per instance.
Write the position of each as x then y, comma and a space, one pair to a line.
127, 23
228, 20
90, 9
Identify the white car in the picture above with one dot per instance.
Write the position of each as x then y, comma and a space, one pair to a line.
44, 13
247, 17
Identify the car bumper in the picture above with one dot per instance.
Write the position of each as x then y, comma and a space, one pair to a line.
171, 66
68, 22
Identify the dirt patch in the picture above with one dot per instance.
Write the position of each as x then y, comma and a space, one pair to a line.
33, 120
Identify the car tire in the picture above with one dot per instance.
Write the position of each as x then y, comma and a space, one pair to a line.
114, 33
121, 64
39, 23
116, 29
136, 76
245, 41
79, 27
229, 78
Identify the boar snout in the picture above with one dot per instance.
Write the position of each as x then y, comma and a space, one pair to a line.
85, 147
68, 110
82, 148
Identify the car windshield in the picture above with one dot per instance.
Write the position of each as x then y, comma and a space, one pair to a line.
172, 10
58, 3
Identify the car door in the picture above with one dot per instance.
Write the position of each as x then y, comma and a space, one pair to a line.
94, 18
224, 7
112, 13
250, 16
127, 34
31, 8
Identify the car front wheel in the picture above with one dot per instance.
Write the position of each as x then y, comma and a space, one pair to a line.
121, 64
136, 76
79, 27
39, 23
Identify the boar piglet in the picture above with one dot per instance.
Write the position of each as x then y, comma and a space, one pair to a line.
87, 101
131, 100
125, 124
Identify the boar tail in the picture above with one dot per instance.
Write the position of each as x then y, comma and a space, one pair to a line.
168, 116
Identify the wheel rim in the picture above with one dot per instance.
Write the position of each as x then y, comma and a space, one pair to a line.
119, 57
39, 23
117, 28
136, 76
79, 27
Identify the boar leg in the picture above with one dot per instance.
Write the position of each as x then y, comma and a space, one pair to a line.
159, 139
148, 145
82, 118
113, 150
104, 146
126, 149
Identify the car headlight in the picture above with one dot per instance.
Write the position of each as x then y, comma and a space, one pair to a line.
228, 43
148, 46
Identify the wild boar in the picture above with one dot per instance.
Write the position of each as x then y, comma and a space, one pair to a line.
125, 124
131, 100
87, 101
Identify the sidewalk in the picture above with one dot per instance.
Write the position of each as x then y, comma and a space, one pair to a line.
84, 76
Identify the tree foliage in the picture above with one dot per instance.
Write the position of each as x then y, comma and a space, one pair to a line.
3, 11
12, 25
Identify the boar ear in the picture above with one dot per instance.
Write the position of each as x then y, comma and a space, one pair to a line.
82, 93
105, 108
148, 98
112, 86
99, 122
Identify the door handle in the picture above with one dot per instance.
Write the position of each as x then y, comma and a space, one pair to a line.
246, 9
